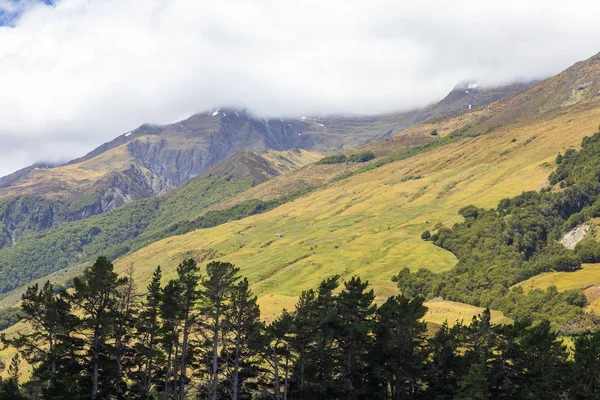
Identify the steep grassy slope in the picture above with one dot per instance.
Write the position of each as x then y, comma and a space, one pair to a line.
370, 223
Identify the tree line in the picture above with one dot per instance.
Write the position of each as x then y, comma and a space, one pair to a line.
200, 336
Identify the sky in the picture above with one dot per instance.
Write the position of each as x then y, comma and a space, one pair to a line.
77, 73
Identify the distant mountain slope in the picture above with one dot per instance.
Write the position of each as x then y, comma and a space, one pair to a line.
154, 159
106, 235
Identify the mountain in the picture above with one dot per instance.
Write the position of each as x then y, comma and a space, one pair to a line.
469, 95
152, 160
578, 87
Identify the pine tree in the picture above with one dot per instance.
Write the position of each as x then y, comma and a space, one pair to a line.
314, 329
242, 339
443, 369
49, 347
356, 313
125, 315
400, 343
95, 294
586, 372
148, 334
188, 274
480, 342
539, 362
10, 389
171, 315
217, 288
278, 338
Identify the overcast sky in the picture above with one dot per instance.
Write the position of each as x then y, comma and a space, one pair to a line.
77, 73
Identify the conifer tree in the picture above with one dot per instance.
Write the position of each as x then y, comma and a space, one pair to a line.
480, 344
278, 355
49, 347
539, 362
188, 274
443, 369
356, 313
125, 315
316, 318
170, 314
586, 372
242, 339
400, 343
217, 288
95, 294
148, 329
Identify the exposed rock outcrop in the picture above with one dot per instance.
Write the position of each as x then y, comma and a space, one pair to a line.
574, 236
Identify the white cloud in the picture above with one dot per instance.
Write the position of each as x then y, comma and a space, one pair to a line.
78, 74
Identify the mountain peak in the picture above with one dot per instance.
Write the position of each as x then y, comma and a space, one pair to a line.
470, 84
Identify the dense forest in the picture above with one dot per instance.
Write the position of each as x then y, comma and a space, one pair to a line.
501, 247
201, 336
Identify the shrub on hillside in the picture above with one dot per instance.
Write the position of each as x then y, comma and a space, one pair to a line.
335, 159
361, 157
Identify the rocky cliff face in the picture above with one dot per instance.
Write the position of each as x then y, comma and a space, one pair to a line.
25, 215
171, 165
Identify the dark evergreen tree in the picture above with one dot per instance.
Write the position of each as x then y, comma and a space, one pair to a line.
356, 318
480, 344
125, 317
170, 332
316, 319
10, 390
242, 341
277, 355
217, 289
146, 351
538, 361
586, 371
50, 346
401, 347
443, 369
188, 274
95, 294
